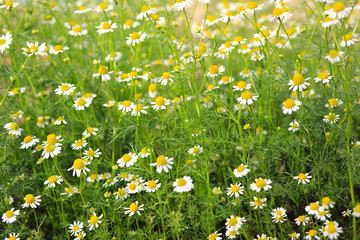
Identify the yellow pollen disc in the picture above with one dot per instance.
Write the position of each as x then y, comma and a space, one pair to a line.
2, 41
234, 188
126, 157
161, 160
9, 214
64, 88
314, 206
34, 48
347, 37
189, 162
225, 79
241, 84
260, 183
75, 228
333, 102
181, 182
323, 75
132, 186
103, 70
241, 9
106, 25
293, 235
331, 229
291, 31
93, 176
301, 219
277, 12
81, 102
333, 53
213, 236
258, 202
233, 222
151, 184
49, 148
121, 192
28, 139
312, 232
9, 3
331, 117
90, 153
29, 199
166, 75
138, 108
79, 143
214, 69
133, 74
265, 33
133, 207
126, 103
322, 213
289, 103
279, 217
302, 176
77, 29
196, 150
14, 126
230, 13
240, 169
152, 87
82, 8
12, 237
246, 95
135, 36
52, 179
357, 208
298, 79
103, 6
124, 175
145, 8
252, 5
94, 220
160, 101
79, 164
338, 7
129, 22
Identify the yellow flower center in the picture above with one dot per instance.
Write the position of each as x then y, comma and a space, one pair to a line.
301, 219
161, 160
82, 8
58, 48
228, 44
322, 213
293, 235
103, 70
51, 139
241, 9
126, 157
145, 8
258, 202
301, 175
241, 84
79, 164
333, 53
333, 102
135, 36
133, 74
52, 179
252, 5
9, 3
338, 7
152, 87
277, 12
314, 206
124, 175
121, 192
2, 41
34, 48
233, 222
357, 208
323, 75
103, 6
289, 103
347, 37
331, 117
14, 126
9, 214
151, 184
230, 13
196, 150
75, 228
28, 139
291, 31
298, 79
166, 75
189, 162
29, 199
210, 18
138, 108
214, 69
79, 143
234, 188
133, 207
331, 229
265, 33
181, 182
312, 232
64, 88
12, 237
90, 153
81, 102
246, 95
260, 183
94, 220
213, 236
106, 25
49, 148
93, 176
225, 79
126, 103
240, 168
160, 101
77, 29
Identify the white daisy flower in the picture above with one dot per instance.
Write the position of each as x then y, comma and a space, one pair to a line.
79, 166
179, 5
31, 201
106, 27
76, 228
163, 164
35, 49
134, 208
323, 77
260, 184
126, 106
52, 180
195, 150
241, 85
298, 82
58, 49
294, 126
152, 185
258, 202
331, 118
312, 208
290, 106
29, 141
334, 56
135, 38
146, 12
138, 109
83, 9
77, 30
235, 190
91, 154
184, 184
247, 97
13, 236
94, 221
160, 103
241, 171
303, 178
5, 41
81, 103
10, 215
121, 194
338, 11
128, 160
104, 73
79, 144
103, 7
331, 230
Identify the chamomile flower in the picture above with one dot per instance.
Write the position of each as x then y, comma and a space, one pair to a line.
29, 141
83, 9
52, 180
210, 20
298, 82
333, 102
13, 236
9, 5
90, 131
91, 154
103, 7
334, 56
312, 208
234, 222
195, 150
152, 90
5, 41
113, 56
31, 201
165, 78
144, 152
294, 126
138, 109
235, 190
81, 103
103, 71
347, 40
10, 215
51, 150
322, 214
278, 215
253, 6
225, 80
13, 129
76, 228
247, 97
35, 49
241, 171
109, 104
260, 184
312, 234
121, 194
338, 11
257, 57
125, 106
215, 71
302, 220
65, 89
215, 236
134, 208
346, 213
79, 166
106, 27
146, 11
231, 233
258, 202
332, 230
135, 38
92, 178
179, 5
134, 187
356, 210
241, 85
79, 144
152, 185
16, 91
77, 30
290, 106
226, 17
128, 160
303, 178
184, 184
329, 22
163, 163
94, 221
294, 236
69, 191
331, 118
58, 49
323, 77
160, 103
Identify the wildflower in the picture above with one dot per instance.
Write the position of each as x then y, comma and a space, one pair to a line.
278, 214
94, 221
258, 202
121, 194
339, 11
83, 9
144, 152
31, 201
16, 91
183, 184
109, 104
231, 233
80, 235
262, 237
58, 49
163, 164
10, 215
34, 49
134, 208
215, 70
235, 190
241, 85
346, 213
210, 20
51, 150
78, 167
302, 220
257, 57
135, 38
323, 77
152, 90
103, 7
225, 80
160, 103
13, 128
179, 5
312, 208
90, 131
247, 97
126, 106
303, 178
128, 160
81, 103
52, 180
334, 56
70, 191
138, 109
294, 236
347, 40
298, 82
241, 170
356, 210
152, 185
106, 27
146, 12
332, 230
134, 187
195, 150
333, 102
331, 118
29, 141
91, 154
79, 144
312, 234
260, 183
165, 78
234, 223
77, 30
290, 106
329, 22
92, 178
5, 41
216, 190
322, 214
104, 73
215, 236
13, 236
76, 228
226, 17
